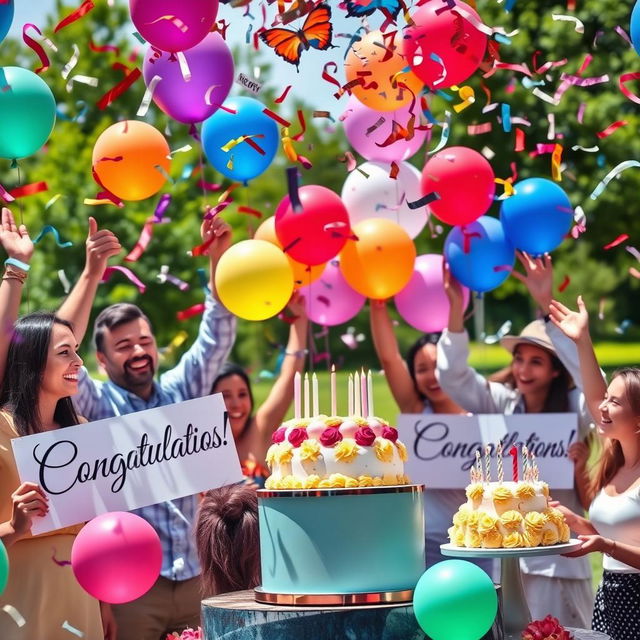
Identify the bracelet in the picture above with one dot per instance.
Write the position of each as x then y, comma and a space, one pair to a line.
612, 550
11, 273
298, 354
17, 263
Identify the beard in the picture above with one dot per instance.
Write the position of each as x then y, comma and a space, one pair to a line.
134, 378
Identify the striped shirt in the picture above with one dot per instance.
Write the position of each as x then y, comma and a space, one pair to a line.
191, 378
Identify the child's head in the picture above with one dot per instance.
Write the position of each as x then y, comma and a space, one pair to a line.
227, 539
421, 361
234, 385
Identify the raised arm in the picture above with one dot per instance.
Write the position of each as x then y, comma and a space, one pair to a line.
216, 235
395, 368
100, 246
17, 243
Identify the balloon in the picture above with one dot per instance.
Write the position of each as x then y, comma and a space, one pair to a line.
464, 180
380, 196
117, 557
380, 262
635, 27
27, 112
455, 600
241, 162
303, 274
423, 303
130, 159
537, 217
330, 301
358, 119
379, 73
318, 232
480, 255
434, 35
173, 26
6, 18
211, 67
4, 567
254, 280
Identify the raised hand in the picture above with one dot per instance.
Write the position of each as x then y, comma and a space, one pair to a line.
296, 306
29, 501
216, 234
537, 277
574, 324
100, 246
15, 239
452, 287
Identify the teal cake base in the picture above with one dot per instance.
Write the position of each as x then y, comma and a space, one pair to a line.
342, 541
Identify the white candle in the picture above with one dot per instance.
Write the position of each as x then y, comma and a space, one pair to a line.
370, 394
334, 408
350, 395
363, 389
356, 394
306, 395
316, 399
297, 382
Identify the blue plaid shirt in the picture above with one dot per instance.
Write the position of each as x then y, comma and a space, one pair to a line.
191, 378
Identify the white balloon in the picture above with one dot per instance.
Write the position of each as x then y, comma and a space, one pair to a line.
380, 196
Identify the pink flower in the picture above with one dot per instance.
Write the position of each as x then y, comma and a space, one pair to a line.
187, 634
330, 437
297, 436
390, 433
547, 629
365, 436
278, 435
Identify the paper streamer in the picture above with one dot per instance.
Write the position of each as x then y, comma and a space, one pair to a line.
36, 47
29, 189
80, 12
127, 273
619, 240
444, 136
16, 616
62, 276
612, 128
50, 229
161, 208
131, 75
579, 26
148, 97
424, 201
143, 242
185, 314
165, 276
90, 80
628, 77
617, 170
76, 632
73, 61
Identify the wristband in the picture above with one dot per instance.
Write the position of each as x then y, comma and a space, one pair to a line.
17, 263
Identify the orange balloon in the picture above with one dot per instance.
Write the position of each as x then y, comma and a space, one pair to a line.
380, 263
375, 59
303, 274
130, 159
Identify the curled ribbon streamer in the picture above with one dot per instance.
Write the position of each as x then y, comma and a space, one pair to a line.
161, 208
165, 276
623, 34
328, 77
583, 106
185, 314
250, 211
131, 75
148, 97
174, 20
547, 65
623, 166
611, 128
628, 77
209, 101
50, 229
184, 66
424, 201
80, 12
579, 26
93, 202
183, 149
292, 188
212, 212
127, 273
303, 127
564, 284
577, 147
71, 629
73, 61
468, 97
143, 242
90, 80
5, 195
103, 48
36, 47
444, 137
283, 95
276, 117
545, 96
349, 160
29, 189
15, 615
438, 60
619, 240
556, 158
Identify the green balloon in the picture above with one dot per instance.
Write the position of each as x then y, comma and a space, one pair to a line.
4, 567
27, 112
455, 600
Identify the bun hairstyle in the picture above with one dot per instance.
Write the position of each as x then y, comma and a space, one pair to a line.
227, 539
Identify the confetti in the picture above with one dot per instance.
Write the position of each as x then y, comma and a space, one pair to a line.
623, 166
143, 242
76, 632
579, 26
89, 80
611, 128
29, 189
15, 615
131, 75
634, 272
250, 211
36, 47
73, 61
148, 97
556, 159
478, 129
564, 284
424, 201
127, 273
60, 563
628, 77
348, 159
185, 314
62, 276
624, 325
619, 240
80, 12
5, 195
50, 229
634, 252
283, 95
165, 276
444, 136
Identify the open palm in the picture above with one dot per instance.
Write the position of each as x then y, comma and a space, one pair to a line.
574, 324
15, 240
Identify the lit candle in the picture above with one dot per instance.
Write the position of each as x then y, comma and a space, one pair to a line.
479, 467
306, 395
356, 394
513, 452
316, 399
350, 395
525, 464
534, 468
296, 396
370, 394
364, 390
334, 410
487, 462
499, 461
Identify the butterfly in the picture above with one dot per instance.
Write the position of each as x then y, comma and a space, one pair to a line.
316, 32
360, 8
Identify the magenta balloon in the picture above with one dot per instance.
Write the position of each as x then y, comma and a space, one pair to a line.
117, 557
358, 118
173, 25
329, 300
423, 303
211, 66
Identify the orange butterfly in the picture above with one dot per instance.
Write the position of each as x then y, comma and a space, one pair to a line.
316, 32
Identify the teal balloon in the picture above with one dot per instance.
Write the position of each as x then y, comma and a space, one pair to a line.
455, 600
4, 567
6, 18
27, 112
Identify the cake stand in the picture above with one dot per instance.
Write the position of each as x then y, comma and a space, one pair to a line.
515, 611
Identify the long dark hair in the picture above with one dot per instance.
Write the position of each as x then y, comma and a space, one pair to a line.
230, 369
26, 362
412, 351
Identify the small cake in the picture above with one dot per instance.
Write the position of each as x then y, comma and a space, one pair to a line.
336, 452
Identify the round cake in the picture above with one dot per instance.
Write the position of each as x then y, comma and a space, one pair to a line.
508, 515
329, 452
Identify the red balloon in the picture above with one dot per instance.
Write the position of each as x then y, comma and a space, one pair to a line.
317, 232
465, 182
448, 35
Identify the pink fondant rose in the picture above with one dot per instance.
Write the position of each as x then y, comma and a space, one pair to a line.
365, 436
279, 435
297, 436
547, 629
330, 437
390, 433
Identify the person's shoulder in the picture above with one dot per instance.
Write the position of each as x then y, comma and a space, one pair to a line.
7, 426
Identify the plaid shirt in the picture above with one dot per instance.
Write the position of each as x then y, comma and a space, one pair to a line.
191, 378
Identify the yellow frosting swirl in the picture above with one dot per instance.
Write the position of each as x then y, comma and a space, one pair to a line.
525, 491
565, 532
532, 537
271, 455
472, 539
284, 453
492, 539
377, 482
365, 481
475, 491
545, 489
346, 450
501, 495
460, 517
512, 540
555, 515
486, 523
312, 481
473, 518
300, 423
402, 451
535, 521
310, 450
270, 483
350, 482
550, 536
511, 519
389, 479
456, 535
383, 449
333, 421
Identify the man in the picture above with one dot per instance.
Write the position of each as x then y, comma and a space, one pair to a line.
127, 350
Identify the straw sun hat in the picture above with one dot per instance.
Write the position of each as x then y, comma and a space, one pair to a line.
534, 333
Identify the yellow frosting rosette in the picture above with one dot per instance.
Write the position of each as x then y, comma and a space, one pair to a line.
472, 539
389, 479
492, 539
333, 422
402, 451
502, 495
535, 521
486, 523
473, 518
377, 482
312, 481
310, 450
565, 532
350, 483
475, 491
511, 520
555, 515
383, 449
365, 481
524, 491
458, 537
284, 453
460, 517
545, 489
512, 540
532, 537
271, 455
550, 536
346, 450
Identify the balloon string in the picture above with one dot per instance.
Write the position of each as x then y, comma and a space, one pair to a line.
27, 287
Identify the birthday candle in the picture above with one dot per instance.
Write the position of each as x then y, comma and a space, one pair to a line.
356, 394
525, 463
316, 399
487, 462
499, 461
296, 395
350, 395
534, 465
513, 452
479, 467
306, 395
370, 394
334, 410
365, 400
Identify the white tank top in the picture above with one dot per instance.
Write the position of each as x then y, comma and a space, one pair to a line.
618, 518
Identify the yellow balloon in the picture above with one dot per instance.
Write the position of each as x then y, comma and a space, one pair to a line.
254, 280
380, 263
303, 274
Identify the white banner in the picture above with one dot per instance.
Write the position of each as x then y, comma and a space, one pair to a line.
442, 447
123, 463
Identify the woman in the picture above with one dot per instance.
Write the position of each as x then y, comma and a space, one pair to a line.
252, 433
614, 526
544, 361
40, 366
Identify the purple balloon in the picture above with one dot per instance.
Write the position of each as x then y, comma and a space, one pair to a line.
423, 303
211, 66
358, 118
329, 300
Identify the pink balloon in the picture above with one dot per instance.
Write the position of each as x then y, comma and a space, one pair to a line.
211, 66
117, 557
423, 303
433, 34
465, 182
358, 118
173, 25
329, 300
318, 231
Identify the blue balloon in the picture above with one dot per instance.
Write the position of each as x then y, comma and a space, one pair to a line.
479, 254
635, 27
6, 18
537, 217
241, 162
